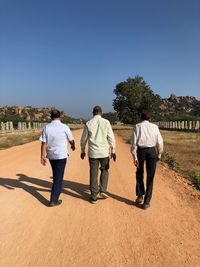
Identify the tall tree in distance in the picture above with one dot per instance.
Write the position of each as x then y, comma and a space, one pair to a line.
134, 96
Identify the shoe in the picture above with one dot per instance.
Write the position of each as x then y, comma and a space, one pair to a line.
139, 200
52, 203
103, 195
146, 206
93, 199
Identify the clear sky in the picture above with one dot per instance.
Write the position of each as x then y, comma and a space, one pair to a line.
72, 53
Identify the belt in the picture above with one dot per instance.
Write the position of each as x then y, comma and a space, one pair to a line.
144, 147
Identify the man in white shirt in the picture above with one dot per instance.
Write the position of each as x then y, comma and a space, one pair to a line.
54, 139
146, 145
101, 142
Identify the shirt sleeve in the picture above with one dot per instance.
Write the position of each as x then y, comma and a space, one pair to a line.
43, 136
84, 139
111, 139
134, 143
69, 134
159, 145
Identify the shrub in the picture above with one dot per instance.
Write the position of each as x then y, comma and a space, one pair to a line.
196, 178
171, 161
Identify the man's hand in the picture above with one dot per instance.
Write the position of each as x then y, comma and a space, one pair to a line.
159, 157
113, 156
136, 163
72, 143
43, 160
82, 155
73, 147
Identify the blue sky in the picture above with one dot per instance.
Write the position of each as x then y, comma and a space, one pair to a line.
71, 54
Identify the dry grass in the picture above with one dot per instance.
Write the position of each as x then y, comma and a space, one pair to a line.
14, 139
183, 146
20, 138
125, 134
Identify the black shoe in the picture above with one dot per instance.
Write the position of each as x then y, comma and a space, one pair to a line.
52, 203
146, 206
93, 199
139, 200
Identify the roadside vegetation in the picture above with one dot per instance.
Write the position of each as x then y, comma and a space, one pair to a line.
182, 152
20, 138
15, 139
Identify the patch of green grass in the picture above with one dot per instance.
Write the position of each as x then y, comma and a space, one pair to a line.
196, 178
171, 161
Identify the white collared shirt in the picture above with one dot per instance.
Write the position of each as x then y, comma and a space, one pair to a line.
56, 134
99, 134
146, 134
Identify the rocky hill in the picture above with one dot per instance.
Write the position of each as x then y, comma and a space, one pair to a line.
28, 113
180, 105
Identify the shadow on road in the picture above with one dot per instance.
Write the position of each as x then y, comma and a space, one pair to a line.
73, 189
38, 185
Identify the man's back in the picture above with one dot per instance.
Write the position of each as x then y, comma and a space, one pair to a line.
55, 135
147, 134
100, 137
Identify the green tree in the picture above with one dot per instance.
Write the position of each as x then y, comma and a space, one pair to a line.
111, 116
134, 96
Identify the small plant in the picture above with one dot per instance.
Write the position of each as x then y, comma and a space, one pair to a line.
196, 178
171, 161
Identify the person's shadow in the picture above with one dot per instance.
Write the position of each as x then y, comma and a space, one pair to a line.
38, 185
73, 189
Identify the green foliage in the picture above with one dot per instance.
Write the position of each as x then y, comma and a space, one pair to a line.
196, 178
171, 161
179, 117
133, 96
111, 116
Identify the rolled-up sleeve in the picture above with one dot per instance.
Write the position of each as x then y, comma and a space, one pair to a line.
69, 134
84, 139
43, 137
134, 143
111, 139
160, 145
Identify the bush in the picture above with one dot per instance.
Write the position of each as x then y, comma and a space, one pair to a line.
171, 161
196, 178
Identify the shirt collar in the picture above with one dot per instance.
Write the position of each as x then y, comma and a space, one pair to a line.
97, 116
55, 121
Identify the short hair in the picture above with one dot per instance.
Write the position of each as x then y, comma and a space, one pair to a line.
146, 115
96, 110
55, 114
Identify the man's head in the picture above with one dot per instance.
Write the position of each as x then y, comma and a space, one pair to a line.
146, 116
97, 110
55, 114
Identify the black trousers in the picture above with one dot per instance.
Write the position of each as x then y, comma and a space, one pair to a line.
58, 168
149, 156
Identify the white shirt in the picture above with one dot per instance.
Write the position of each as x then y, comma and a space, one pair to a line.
55, 134
99, 134
146, 134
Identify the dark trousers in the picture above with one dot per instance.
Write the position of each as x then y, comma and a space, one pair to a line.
104, 167
58, 168
149, 156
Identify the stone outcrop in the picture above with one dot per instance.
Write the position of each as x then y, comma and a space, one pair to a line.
179, 104
25, 113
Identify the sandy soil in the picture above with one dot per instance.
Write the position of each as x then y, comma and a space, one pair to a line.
112, 232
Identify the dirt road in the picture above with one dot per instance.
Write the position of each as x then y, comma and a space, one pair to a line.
112, 232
